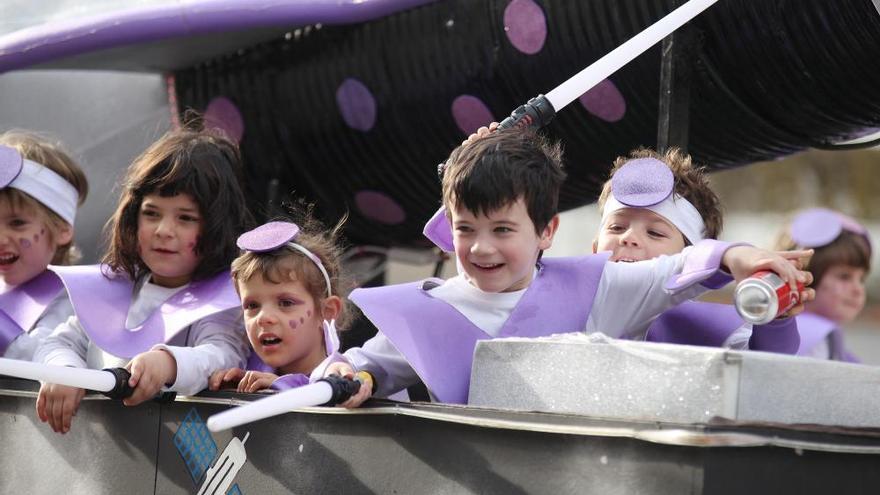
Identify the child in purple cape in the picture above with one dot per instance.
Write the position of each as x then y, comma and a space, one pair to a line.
163, 304
40, 189
500, 197
839, 266
288, 279
681, 211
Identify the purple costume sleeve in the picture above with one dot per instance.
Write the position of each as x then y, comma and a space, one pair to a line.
780, 335
703, 266
289, 381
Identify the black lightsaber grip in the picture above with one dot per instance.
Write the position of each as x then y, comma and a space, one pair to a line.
121, 390
535, 114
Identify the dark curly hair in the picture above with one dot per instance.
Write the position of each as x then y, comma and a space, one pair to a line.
200, 163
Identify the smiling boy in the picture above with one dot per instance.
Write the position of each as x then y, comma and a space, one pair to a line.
500, 195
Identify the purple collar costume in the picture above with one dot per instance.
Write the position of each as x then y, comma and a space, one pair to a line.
438, 341
22, 306
103, 318
814, 330
711, 324
275, 236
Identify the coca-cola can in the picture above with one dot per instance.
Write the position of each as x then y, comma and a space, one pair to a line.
763, 297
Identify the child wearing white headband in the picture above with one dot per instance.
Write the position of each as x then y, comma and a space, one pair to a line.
288, 280
40, 190
656, 204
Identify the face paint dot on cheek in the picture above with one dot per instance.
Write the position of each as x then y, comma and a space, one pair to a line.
293, 324
25, 243
301, 320
309, 313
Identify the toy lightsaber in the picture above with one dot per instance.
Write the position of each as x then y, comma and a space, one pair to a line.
328, 391
112, 382
540, 110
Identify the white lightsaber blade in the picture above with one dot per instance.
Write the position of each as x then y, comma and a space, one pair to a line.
101, 381
601, 69
309, 395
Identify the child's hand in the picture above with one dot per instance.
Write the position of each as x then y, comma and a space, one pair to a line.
346, 371
227, 378
150, 371
743, 261
481, 133
57, 405
254, 381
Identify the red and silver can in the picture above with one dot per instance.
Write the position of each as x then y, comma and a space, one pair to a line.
763, 297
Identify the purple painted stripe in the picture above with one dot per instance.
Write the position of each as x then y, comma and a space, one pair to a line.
61, 39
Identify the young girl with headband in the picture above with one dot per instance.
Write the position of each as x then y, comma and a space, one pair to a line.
40, 189
288, 280
655, 205
162, 304
840, 264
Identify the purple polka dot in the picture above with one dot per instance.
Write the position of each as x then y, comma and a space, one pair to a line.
356, 104
222, 114
470, 113
379, 207
604, 101
525, 26
293, 324
25, 243
301, 320
36, 237
309, 313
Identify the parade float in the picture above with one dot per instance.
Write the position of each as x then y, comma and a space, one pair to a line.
352, 105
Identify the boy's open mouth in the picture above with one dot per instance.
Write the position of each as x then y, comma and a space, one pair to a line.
267, 341
8, 259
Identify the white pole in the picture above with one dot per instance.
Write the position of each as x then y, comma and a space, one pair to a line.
599, 70
309, 395
101, 381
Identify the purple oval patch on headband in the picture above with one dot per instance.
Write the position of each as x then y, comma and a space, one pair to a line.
642, 182
268, 237
11, 163
819, 227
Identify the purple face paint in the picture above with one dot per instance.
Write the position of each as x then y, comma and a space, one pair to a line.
24, 243
309, 313
42, 231
293, 324
36, 237
301, 320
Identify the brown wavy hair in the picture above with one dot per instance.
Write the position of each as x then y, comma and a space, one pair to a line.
49, 153
201, 163
287, 263
691, 183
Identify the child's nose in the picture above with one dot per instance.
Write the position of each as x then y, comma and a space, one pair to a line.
164, 228
630, 238
482, 246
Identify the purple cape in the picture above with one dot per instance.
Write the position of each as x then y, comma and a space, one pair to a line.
101, 304
438, 341
22, 306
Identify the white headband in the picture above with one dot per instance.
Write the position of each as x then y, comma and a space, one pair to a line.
315, 260
48, 188
676, 209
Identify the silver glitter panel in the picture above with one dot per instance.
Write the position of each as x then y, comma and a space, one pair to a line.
601, 377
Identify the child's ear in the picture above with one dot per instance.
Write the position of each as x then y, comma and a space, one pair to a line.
331, 307
548, 233
64, 235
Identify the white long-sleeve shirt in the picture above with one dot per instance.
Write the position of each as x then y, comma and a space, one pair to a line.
215, 342
629, 296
